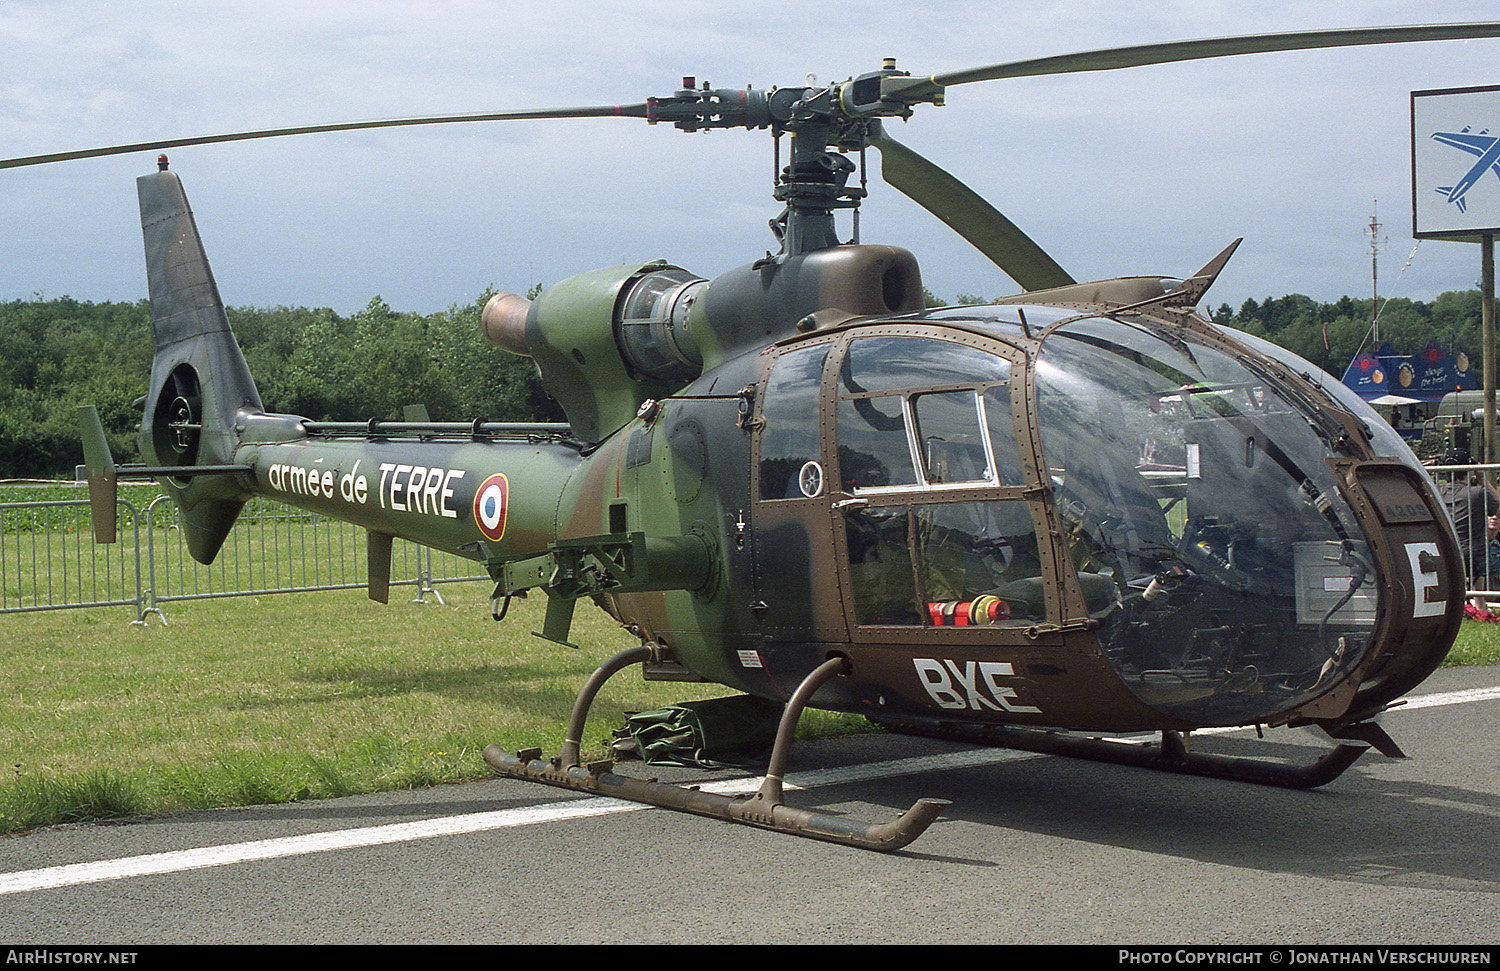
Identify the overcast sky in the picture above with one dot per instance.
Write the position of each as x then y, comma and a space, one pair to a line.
1150, 170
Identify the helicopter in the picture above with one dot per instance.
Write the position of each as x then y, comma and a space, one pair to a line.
1080, 509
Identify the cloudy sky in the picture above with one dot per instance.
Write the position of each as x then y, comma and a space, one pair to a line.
1150, 170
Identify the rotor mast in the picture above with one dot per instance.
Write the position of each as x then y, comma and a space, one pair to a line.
824, 123
812, 186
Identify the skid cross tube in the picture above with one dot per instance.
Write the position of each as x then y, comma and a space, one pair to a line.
764, 809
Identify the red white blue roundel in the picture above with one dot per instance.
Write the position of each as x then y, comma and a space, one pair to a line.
490, 504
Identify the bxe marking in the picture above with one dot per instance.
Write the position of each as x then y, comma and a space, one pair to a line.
974, 686
1424, 559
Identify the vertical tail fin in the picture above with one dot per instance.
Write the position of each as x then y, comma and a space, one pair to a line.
200, 382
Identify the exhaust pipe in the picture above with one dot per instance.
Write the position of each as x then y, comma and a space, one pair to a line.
505, 322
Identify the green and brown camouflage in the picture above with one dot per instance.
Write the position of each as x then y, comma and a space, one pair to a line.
1084, 508
797, 461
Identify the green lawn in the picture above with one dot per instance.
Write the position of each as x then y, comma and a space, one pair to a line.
281, 697
287, 696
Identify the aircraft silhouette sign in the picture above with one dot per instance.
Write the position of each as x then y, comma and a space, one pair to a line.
1483, 145
1454, 145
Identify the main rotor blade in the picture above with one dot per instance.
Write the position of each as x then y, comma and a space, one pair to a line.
601, 111
943, 195
915, 89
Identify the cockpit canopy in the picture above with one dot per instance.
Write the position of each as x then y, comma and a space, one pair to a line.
1179, 488
1200, 486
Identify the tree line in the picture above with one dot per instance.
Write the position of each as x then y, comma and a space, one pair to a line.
1331, 334
57, 354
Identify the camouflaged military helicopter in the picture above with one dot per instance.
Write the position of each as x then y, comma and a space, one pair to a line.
1083, 509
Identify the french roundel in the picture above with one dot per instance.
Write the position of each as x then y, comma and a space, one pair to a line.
490, 504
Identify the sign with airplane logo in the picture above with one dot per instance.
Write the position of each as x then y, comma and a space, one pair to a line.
1455, 139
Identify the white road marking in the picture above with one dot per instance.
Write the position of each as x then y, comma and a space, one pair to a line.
211, 856
74, 874
1447, 698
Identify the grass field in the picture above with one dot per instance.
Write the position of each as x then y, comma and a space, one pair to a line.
285, 697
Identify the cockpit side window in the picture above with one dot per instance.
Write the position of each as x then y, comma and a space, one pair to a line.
945, 564
790, 463
912, 412
995, 400
926, 440
874, 450
901, 363
952, 437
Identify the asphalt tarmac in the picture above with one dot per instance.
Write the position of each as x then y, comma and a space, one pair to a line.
1034, 850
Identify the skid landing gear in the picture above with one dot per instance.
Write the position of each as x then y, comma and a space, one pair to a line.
764, 809
1171, 754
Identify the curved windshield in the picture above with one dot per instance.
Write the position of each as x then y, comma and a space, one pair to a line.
1386, 440
1226, 571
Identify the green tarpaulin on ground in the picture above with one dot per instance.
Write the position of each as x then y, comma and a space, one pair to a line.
702, 734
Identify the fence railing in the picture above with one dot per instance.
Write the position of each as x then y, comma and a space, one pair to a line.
1471, 494
49, 560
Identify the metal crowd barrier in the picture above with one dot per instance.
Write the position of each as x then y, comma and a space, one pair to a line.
1452, 481
49, 560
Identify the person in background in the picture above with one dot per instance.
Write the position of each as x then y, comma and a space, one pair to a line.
1474, 505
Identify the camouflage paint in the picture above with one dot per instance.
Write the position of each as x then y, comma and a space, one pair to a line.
751, 591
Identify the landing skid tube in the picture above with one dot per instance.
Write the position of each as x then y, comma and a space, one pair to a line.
1170, 755
764, 809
